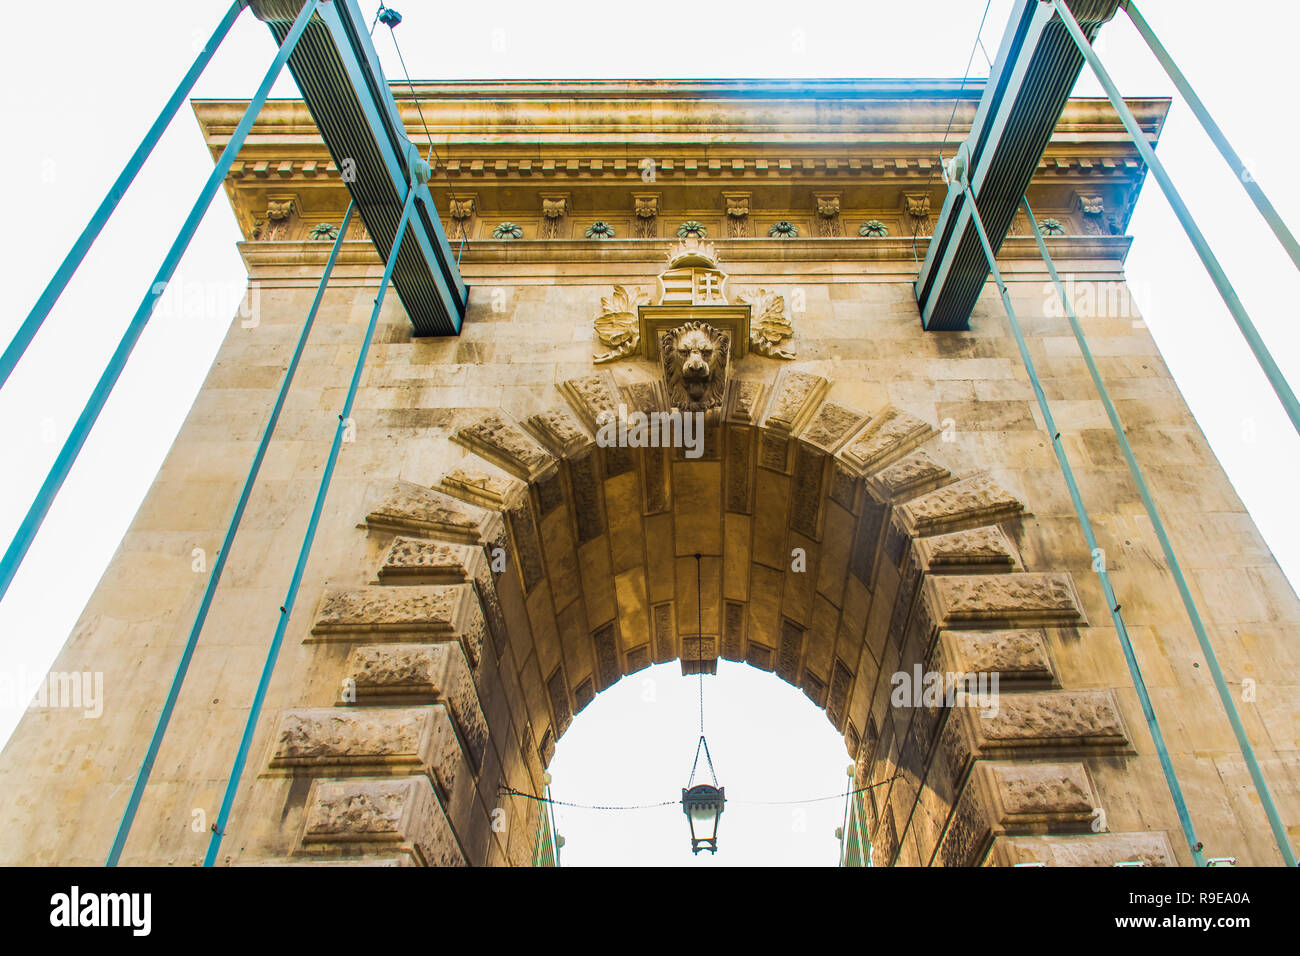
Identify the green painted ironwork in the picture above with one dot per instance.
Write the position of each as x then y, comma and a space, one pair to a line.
218, 566
857, 851
1135, 671
286, 609
1239, 168
68, 267
1262, 355
63, 462
546, 845
1225, 695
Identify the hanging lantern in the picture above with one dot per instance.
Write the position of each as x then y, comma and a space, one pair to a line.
702, 803
703, 807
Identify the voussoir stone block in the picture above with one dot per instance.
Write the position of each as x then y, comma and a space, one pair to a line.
422, 511
973, 501
556, 429
381, 817
390, 673
592, 396
910, 476
409, 740
891, 434
1046, 598
493, 492
378, 613
502, 442
1015, 656
1034, 724
430, 561
1093, 849
977, 549
794, 400
1004, 798
832, 426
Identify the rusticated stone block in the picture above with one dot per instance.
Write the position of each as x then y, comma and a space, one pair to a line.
979, 549
402, 740
1015, 798
371, 861
379, 816
1034, 723
916, 474
376, 613
1014, 599
591, 396
971, 502
795, 397
832, 426
745, 401
392, 673
415, 509
425, 560
486, 491
1015, 656
557, 430
1093, 849
888, 436
502, 442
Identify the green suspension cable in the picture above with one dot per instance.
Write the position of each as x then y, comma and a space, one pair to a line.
1220, 278
1243, 741
214, 577
1239, 169
309, 536
1135, 671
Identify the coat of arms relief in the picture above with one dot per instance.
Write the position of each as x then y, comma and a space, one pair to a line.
693, 328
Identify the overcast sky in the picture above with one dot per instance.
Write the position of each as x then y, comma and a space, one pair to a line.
77, 99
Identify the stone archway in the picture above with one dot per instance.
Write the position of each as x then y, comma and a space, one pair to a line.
838, 550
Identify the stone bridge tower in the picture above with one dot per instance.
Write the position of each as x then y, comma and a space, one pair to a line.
485, 566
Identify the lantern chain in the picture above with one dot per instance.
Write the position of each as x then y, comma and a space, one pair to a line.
512, 792
699, 642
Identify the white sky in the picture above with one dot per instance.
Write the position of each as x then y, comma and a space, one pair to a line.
77, 99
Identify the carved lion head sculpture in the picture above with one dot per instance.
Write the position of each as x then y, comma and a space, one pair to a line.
828, 206
695, 359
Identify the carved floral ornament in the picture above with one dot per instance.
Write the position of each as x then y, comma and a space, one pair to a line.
692, 290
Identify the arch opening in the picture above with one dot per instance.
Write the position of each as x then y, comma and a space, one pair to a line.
838, 552
635, 743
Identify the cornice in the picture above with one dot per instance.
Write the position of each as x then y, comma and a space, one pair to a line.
571, 119
650, 252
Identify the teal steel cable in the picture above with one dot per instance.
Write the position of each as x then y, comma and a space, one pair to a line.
58, 473
1220, 278
214, 578
1270, 214
273, 652
1243, 741
63, 275
1139, 684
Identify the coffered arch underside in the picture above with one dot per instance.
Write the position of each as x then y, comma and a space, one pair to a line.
837, 549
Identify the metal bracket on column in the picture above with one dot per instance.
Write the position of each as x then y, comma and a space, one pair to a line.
338, 72
1036, 67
